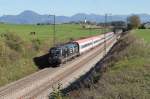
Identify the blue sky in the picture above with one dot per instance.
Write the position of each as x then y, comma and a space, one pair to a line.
70, 7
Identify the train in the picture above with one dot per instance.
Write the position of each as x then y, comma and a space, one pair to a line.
120, 26
63, 53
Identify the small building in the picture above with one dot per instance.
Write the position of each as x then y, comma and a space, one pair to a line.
147, 25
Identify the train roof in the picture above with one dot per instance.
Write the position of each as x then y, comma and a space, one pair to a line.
90, 38
87, 39
70, 44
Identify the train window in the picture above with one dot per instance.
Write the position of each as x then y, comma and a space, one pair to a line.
57, 52
86, 45
97, 41
65, 51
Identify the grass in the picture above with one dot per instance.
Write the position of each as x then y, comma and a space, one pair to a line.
15, 59
127, 75
63, 32
19, 47
143, 33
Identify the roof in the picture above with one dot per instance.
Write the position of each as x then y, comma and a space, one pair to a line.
91, 38
88, 39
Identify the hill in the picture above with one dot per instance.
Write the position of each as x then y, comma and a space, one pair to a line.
30, 17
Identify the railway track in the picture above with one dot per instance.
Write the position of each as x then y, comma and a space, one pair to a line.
39, 85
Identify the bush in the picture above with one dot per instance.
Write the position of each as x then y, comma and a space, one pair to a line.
36, 44
13, 62
6, 54
14, 41
56, 94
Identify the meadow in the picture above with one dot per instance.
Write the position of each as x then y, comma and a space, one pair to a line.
18, 46
45, 32
143, 33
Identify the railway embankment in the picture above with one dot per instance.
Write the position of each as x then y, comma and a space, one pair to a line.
123, 74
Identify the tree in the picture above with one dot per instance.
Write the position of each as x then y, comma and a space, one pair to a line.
134, 21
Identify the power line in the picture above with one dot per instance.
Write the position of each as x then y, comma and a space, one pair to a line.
54, 30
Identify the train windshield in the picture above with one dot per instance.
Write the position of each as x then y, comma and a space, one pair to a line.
55, 51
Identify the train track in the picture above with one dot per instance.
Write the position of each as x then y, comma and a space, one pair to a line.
39, 85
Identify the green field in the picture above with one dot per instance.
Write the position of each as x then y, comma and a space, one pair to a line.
143, 33
63, 32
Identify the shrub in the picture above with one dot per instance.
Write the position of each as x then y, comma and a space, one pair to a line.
56, 94
36, 44
6, 54
14, 41
4, 51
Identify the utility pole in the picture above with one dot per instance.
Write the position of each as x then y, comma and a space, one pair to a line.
105, 30
106, 22
110, 19
105, 26
54, 30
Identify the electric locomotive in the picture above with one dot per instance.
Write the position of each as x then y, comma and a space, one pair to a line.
61, 54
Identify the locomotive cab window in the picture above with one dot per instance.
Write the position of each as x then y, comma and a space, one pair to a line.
56, 51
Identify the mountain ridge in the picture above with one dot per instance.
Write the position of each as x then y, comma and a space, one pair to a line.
31, 17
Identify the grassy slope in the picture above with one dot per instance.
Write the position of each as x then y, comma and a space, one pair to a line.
22, 62
128, 76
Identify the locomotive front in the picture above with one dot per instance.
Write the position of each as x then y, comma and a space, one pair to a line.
61, 54
55, 55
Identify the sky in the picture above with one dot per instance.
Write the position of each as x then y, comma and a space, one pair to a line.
71, 7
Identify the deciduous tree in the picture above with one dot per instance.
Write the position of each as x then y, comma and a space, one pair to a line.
134, 21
